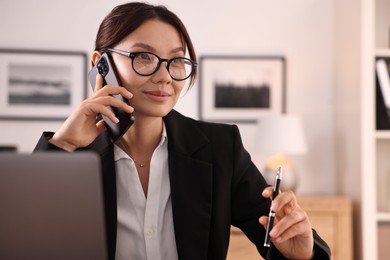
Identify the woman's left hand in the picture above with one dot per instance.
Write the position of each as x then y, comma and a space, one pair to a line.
291, 233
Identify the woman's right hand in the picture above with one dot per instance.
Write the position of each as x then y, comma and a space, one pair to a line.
81, 128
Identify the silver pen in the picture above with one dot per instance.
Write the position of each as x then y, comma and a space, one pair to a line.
271, 215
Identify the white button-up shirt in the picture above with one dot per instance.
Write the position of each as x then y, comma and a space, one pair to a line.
145, 226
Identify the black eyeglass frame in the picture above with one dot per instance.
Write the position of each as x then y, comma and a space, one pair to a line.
132, 55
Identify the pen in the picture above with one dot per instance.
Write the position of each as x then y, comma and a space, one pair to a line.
271, 215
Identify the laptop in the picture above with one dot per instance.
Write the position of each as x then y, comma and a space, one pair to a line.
51, 206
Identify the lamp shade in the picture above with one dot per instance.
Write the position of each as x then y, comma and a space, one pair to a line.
281, 134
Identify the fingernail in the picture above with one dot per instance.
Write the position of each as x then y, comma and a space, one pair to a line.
116, 120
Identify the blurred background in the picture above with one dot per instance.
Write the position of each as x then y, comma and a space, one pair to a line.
301, 31
329, 48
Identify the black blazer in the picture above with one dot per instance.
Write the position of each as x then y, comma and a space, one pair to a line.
214, 184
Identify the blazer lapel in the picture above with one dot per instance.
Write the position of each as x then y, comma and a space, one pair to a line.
190, 173
191, 177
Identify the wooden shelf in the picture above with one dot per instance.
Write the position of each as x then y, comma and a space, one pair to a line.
382, 134
383, 217
382, 52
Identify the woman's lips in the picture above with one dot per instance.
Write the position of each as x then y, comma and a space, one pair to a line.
157, 95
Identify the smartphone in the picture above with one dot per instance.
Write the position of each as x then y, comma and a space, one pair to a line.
106, 67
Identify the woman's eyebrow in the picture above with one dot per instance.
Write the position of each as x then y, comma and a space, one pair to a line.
147, 47
144, 46
178, 49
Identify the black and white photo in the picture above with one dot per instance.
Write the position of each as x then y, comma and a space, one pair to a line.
241, 88
41, 84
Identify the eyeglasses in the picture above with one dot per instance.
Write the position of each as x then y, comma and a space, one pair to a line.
147, 63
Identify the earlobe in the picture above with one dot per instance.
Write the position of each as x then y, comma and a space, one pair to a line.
95, 57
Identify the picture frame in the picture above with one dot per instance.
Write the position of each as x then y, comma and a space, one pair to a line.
41, 85
240, 89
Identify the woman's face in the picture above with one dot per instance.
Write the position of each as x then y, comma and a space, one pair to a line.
154, 95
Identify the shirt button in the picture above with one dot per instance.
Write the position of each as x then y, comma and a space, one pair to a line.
148, 232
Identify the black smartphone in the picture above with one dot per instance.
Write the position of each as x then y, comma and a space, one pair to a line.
106, 67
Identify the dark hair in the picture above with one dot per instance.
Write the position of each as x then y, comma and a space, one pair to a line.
126, 18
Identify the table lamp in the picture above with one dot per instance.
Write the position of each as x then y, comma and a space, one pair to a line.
277, 137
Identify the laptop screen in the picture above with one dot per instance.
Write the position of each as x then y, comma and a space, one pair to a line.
51, 206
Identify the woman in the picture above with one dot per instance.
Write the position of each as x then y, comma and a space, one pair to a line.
173, 185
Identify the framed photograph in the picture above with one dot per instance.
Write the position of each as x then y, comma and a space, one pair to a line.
45, 85
241, 88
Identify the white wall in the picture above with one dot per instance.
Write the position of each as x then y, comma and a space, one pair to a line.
301, 30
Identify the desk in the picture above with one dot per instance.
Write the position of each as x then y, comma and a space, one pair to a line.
330, 216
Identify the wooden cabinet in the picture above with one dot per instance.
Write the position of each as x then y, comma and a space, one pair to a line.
330, 216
